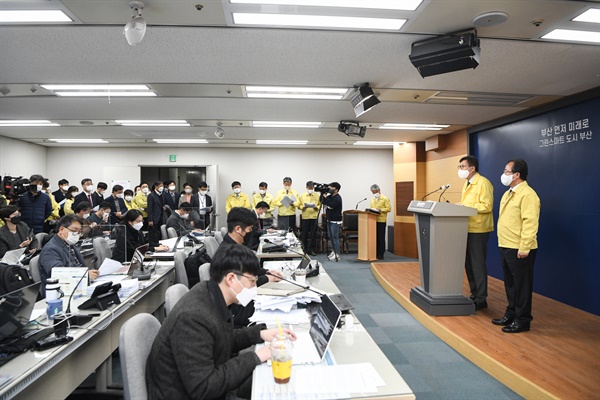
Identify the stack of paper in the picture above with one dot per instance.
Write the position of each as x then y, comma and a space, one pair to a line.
128, 287
271, 317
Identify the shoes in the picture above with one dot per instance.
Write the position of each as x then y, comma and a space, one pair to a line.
331, 256
515, 327
337, 258
481, 305
504, 321
312, 253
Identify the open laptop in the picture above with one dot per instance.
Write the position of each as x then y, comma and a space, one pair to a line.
137, 261
16, 308
310, 347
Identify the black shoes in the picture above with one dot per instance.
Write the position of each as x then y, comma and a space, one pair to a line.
481, 305
504, 321
515, 327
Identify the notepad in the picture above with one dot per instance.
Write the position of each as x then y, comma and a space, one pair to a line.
279, 289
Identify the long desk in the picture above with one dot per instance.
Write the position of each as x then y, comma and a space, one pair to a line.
350, 346
56, 372
294, 252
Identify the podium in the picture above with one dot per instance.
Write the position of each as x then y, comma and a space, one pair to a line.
442, 230
367, 235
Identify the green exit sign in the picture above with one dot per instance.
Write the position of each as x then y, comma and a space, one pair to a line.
172, 157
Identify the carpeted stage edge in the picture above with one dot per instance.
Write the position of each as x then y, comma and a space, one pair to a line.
558, 359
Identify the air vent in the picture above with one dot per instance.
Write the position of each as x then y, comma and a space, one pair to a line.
475, 98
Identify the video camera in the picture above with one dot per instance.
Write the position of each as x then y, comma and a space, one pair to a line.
14, 187
321, 187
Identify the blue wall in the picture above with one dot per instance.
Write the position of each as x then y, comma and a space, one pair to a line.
566, 177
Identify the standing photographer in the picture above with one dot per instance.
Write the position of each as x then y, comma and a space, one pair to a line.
333, 205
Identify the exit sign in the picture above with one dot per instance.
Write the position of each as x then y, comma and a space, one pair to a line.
172, 157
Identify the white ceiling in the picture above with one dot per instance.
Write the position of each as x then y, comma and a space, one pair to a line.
192, 59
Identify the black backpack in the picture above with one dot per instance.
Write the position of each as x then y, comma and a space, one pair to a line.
193, 262
13, 277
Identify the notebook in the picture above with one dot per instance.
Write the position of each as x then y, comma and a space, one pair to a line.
12, 257
16, 308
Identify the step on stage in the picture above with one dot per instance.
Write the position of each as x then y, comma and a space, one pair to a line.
558, 359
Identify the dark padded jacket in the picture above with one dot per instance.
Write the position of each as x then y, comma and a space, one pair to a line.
35, 210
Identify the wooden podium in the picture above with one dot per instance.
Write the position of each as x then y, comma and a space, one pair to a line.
367, 235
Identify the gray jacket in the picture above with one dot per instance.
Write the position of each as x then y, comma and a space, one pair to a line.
55, 254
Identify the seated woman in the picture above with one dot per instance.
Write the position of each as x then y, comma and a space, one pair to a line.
69, 199
15, 234
129, 237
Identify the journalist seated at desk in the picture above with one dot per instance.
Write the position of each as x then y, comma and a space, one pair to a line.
129, 237
195, 354
180, 219
61, 251
15, 234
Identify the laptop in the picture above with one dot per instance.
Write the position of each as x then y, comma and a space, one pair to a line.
137, 261
310, 347
16, 308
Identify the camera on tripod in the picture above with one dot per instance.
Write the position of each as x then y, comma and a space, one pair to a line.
14, 187
321, 187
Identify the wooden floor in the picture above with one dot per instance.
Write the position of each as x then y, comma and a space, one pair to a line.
558, 358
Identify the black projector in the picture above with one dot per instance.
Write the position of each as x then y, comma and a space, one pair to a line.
444, 54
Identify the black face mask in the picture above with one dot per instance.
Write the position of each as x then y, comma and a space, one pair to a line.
331, 191
16, 220
247, 238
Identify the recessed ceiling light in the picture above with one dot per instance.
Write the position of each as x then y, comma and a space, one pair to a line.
284, 124
24, 16
89, 87
166, 122
366, 143
282, 142
416, 127
181, 141
592, 15
105, 94
282, 92
573, 35
318, 21
78, 140
406, 5
39, 122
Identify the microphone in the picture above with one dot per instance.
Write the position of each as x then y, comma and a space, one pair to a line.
305, 287
356, 208
445, 187
94, 260
285, 248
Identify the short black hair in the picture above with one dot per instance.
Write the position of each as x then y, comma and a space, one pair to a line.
67, 221
116, 188
186, 184
131, 215
102, 185
63, 182
262, 204
472, 161
310, 184
104, 205
84, 180
336, 185
263, 184
45, 184
36, 178
128, 192
167, 183
156, 184
6, 211
233, 258
185, 206
202, 184
82, 206
287, 179
240, 216
520, 166
235, 183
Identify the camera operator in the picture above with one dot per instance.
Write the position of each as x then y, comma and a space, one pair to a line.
35, 205
332, 202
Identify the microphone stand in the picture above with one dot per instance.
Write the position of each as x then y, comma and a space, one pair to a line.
78, 319
356, 208
441, 194
305, 287
436, 190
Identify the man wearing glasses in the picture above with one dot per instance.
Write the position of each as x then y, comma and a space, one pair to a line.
60, 251
477, 192
518, 224
196, 353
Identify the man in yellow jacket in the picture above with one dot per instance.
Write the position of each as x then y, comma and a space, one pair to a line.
237, 198
286, 214
382, 204
262, 195
309, 203
518, 224
477, 192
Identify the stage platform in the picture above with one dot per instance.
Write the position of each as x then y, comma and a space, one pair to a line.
558, 359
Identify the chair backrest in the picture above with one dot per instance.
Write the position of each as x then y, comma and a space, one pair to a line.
350, 221
219, 237
34, 269
163, 232
40, 238
180, 273
135, 342
172, 296
204, 272
211, 246
171, 233
101, 250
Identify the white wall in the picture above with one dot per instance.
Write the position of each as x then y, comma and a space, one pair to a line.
355, 170
18, 158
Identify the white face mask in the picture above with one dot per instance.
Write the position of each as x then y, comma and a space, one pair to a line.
246, 295
310, 191
188, 190
237, 190
145, 190
119, 195
65, 188
203, 192
72, 238
377, 195
185, 216
507, 179
287, 188
89, 188
128, 198
138, 225
262, 191
160, 189
463, 173
39, 188
172, 188
106, 215
86, 216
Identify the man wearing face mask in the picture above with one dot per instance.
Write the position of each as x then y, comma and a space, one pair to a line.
86, 194
196, 354
309, 203
140, 200
61, 251
128, 197
286, 215
15, 234
156, 207
202, 207
170, 195
333, 206
237, 198
382, 204
179, 219
61, 192
477, 192
35, 205
117, 204
101, 220
98, 195
518, 223
262, 195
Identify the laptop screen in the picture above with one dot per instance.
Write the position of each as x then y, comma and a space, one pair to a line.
16, 308
137, 260
322, 324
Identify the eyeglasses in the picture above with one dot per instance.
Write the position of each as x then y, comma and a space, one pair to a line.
464, 166
74, 231
251, 279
